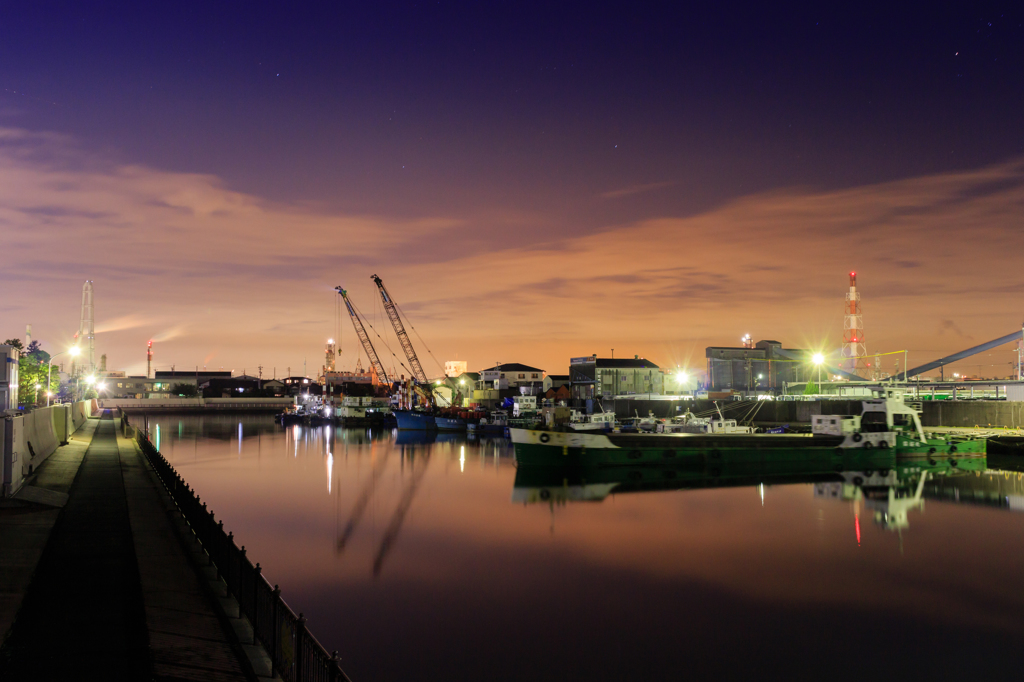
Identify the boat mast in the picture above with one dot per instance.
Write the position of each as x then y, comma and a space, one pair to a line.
364, 338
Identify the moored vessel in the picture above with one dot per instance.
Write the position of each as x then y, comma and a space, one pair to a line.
414, 420
886, 423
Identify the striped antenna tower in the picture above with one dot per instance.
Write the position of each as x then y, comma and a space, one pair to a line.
854, 349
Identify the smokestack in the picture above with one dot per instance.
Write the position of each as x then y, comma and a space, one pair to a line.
87, 331
149, 359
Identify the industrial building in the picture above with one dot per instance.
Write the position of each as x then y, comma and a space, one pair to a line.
194, 377
594, 377
764, 366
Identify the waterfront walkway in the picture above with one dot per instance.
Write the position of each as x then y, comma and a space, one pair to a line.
114, 594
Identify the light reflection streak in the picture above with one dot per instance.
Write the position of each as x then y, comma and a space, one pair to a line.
462, 459
330, 470
239, 440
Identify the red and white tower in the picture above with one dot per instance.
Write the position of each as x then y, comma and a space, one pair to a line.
149, 359
854, 349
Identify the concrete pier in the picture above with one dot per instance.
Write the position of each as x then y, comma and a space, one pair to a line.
104, 587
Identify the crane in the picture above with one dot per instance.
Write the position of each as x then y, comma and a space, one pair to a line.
364, 338
403, 336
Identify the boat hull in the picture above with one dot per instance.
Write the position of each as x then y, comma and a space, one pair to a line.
555, 448
414, 421
450, 424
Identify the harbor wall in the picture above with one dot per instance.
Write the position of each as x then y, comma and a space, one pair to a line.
196, 404
983, 413
27, 440
765, 411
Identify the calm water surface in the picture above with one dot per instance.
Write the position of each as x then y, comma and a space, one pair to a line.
427, 561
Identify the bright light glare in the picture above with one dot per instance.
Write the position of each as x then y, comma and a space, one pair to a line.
818, 358
681, 377
74, 350
90, 380
101, 386
38, 386
462, 381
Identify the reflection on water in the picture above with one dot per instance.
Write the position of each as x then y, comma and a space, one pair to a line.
405, 553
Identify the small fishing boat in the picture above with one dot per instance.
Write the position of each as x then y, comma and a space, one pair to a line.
598, 421
494, 423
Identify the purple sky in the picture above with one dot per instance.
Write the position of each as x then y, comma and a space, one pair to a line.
531, 183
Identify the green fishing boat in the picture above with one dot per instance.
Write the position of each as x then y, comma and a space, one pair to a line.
886, 423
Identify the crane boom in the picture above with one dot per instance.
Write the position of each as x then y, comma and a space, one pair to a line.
364, 338
403, 337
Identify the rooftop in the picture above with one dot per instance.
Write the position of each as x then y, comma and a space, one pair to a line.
512, 367
624, 363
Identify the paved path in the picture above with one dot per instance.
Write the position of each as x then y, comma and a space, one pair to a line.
114, 594
83, 613
26, 521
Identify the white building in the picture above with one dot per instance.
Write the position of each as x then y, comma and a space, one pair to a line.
455, 368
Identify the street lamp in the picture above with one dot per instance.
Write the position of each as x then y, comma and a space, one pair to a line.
36, 399
49, 368
818, 359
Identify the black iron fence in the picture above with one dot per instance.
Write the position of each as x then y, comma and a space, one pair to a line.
296, 654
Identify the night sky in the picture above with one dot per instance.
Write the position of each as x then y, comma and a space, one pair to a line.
532, 182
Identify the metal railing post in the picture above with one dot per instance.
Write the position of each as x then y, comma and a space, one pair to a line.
254, 616
275, 626
300, 641
335, 667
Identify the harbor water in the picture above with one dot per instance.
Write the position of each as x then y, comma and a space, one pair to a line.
432, 557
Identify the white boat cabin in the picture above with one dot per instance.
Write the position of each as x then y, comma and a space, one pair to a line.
881, 421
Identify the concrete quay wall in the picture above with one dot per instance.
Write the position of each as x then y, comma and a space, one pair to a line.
993, 413
766, 411
195, 404
27, 440
1004, 413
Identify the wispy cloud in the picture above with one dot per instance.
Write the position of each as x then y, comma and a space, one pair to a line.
172, 253
636, 189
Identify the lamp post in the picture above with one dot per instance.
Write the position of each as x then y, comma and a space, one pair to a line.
49, 369
818, 359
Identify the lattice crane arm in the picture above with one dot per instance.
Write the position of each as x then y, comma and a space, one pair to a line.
364, 339
403, 336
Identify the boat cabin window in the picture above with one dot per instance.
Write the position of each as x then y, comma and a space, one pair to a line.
903, 420
873, 422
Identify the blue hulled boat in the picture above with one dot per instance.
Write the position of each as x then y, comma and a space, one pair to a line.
414, 421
